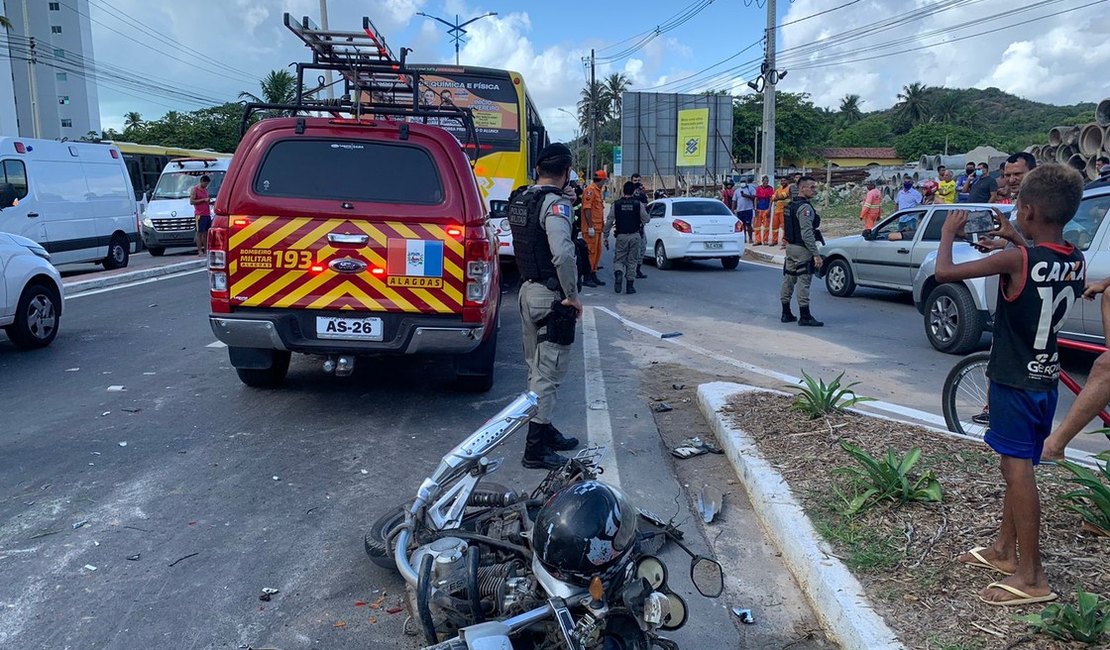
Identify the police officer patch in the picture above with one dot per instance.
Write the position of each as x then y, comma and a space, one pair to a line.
561, 210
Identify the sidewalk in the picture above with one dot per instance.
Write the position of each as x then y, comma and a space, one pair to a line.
78, 278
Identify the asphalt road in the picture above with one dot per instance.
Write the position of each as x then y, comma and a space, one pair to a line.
147, 497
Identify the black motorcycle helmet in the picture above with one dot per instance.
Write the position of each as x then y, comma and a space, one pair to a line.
587, 529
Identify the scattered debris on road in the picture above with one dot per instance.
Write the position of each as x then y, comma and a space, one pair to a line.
89, 567
670, 335
81, 523
340, 624
105, 414
117, 389
267, 593
45, 534
134, 558
695, 446
183, 558
663, 407
122, 443
678, 386
131, 409
709, 503
745, 615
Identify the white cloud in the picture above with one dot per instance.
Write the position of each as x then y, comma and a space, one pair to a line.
1049, 60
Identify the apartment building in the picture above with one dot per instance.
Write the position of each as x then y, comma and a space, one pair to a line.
52, 97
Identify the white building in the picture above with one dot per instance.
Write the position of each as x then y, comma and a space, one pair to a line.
51, 98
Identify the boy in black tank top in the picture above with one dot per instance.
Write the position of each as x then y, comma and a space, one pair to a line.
1037, 287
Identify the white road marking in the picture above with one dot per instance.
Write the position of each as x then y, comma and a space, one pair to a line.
897, 409
598, 424
766, 265
93, 292
217, 345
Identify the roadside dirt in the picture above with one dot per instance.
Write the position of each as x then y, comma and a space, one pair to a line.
782, 618
905, 555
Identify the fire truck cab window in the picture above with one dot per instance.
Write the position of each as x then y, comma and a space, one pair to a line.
349, 170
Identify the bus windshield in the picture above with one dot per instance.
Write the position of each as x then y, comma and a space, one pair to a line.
177, 185
492, 98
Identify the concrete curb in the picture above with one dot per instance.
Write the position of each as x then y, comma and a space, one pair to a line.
81, 286
765, 256
837, 597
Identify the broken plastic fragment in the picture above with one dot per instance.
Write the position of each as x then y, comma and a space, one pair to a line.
745, 615
89, 567
663, 407
709, 503
134, 558
116, 389
80, 523
122, 443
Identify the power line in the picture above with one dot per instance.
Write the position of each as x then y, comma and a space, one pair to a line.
674, 22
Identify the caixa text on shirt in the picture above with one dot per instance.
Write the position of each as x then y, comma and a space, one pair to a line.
1058, 271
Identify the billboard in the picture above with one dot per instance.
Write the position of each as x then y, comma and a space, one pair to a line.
651, 143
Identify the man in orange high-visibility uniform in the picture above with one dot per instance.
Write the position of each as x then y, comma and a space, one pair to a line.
593, 220
782, 199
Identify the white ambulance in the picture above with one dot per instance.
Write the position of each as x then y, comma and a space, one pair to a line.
73, 198
169, 221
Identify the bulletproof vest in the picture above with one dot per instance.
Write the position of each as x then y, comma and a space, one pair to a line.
626, 212
530, 247
791, 227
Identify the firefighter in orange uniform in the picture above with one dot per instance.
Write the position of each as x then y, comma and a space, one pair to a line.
782, 198
593, 220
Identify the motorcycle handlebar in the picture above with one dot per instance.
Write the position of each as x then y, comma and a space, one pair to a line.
506, 627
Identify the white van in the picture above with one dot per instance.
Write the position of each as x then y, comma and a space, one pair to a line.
73, 198
168, 220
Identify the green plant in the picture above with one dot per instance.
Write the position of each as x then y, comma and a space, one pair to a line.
887, 479
817, 399
1088, 622
1092, 500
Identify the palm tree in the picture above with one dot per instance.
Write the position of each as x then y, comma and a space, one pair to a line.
849, 109
592, 97
612, 87
946, 108
914, 104
278, 87
131, 121
5, 23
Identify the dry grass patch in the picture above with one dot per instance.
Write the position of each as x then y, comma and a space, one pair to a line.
904, 555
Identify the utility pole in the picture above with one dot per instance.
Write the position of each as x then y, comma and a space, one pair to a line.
593, 116
324, 26
771, 79
31, 60
455, 30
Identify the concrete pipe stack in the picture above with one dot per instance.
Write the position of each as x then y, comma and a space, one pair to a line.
1080, 146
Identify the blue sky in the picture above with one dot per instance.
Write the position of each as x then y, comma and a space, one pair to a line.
867, 47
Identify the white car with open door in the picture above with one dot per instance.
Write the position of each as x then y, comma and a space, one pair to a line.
30, 293
692, 228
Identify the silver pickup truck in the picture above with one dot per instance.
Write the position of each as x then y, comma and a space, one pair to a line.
956, 314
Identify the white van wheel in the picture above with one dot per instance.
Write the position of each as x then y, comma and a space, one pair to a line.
119, 252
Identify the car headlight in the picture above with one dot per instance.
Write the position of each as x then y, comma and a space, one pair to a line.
38, 250
148, 222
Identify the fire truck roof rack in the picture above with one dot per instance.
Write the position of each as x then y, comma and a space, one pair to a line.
376, 83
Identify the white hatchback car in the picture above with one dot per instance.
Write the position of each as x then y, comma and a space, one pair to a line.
692, 228
30, 293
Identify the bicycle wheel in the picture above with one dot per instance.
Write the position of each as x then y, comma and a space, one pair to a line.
965, 395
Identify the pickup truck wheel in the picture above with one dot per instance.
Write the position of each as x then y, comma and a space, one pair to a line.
36, 317
730, 263
661, 260
119, 252
157, 251
474, 370
271, 377
952, 322
839, 280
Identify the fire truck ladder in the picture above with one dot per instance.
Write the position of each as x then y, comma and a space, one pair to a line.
376, 84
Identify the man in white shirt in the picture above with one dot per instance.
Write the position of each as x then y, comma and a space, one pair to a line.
745, 205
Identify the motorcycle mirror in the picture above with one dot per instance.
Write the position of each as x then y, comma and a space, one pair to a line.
708, 576
676, 617
653, 570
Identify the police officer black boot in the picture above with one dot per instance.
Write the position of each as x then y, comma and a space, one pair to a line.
557, 441
596, 280
639, 274
787, 315
629, 288
807, 319
617, 275
588, 281
537, 453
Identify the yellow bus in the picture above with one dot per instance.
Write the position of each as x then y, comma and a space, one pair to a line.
145, 163
510, 131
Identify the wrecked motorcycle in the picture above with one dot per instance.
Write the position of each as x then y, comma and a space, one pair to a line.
568, 566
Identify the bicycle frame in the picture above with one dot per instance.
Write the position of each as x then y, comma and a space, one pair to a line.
1066, 379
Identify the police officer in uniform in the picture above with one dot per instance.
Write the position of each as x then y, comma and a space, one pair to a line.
540, 220
800, 227
641, 196
629, 216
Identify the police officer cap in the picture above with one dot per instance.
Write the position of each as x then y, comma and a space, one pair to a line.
553, 150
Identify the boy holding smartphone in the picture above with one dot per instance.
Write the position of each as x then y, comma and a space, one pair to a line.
1037, 287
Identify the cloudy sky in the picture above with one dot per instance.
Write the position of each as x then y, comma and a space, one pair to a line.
1049, 50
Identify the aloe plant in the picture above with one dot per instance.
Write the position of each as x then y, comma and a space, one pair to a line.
1092, 500
1088, 621
888, 479
816, 398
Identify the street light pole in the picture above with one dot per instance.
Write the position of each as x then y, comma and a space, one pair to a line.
577, 136
455, 30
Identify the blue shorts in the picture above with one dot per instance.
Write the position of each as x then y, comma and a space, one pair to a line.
746, 216
1020, 421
